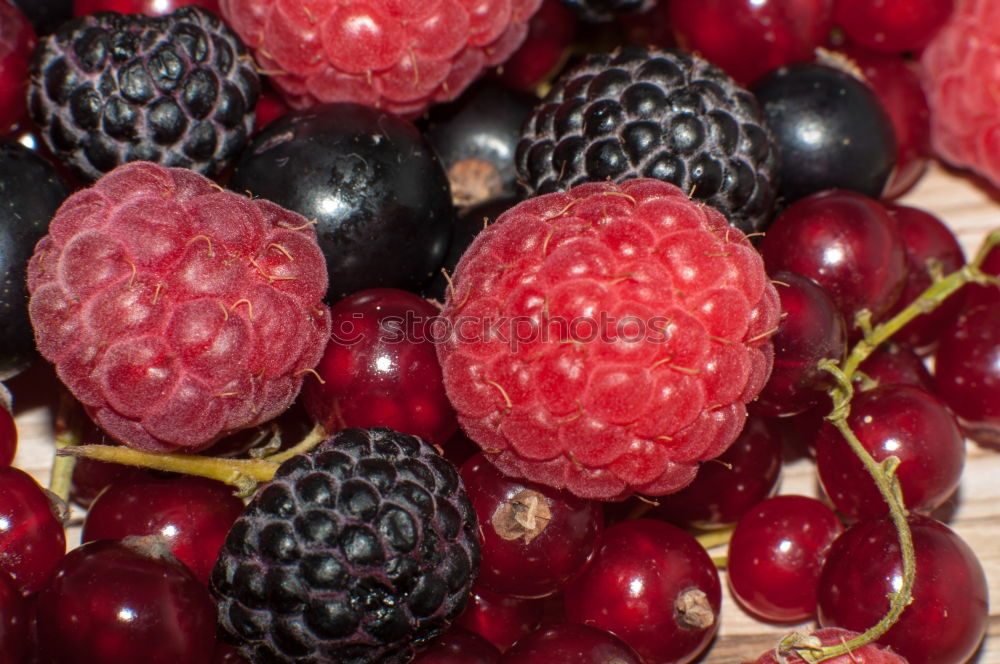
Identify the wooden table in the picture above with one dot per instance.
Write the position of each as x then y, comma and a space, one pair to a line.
970, 207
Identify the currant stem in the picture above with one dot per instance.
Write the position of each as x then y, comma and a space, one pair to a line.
67, 434
884, 473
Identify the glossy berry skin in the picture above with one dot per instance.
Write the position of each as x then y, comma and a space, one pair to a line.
550, 34
458, 646
32, 540
830, 130
17, 41
580, 644
893, 420
148, 7
892, 364
534, 538
109, 602
475, 137
845, 242
927, 241
947, 618
967, 372
811, 329
378, 194
192, 514
644, 572
893, 26
776, 553
500, 619
30, 193
776, 32
380, 368
8, 435
872, 653
14, 626
895, 80
727, 487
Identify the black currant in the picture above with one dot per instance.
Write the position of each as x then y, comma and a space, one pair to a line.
372, 183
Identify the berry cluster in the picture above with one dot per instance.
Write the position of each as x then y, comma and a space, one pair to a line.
490, 336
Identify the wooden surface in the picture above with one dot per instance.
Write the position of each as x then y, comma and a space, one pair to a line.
968, 206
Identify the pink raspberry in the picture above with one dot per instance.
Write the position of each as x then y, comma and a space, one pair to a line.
400, 55
177, 312
606, 339
960, 80
872, 653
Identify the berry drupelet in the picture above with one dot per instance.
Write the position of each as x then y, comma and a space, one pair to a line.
111, 88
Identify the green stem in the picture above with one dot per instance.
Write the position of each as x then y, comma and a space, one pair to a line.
67, 434
713, 538
884, 473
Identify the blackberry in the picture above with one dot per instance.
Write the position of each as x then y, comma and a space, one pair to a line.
603, 11
663, 114
362, 551
110, 88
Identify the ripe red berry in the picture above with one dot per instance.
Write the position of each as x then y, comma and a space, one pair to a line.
458, 646
396, 55
892, 364
14, 627
148, 7
652, 585
500, 619
17, 41
176, 312
32, 539
380, 368
872, 653
892, 25
8, 435
606, 339
948, 615
580, 644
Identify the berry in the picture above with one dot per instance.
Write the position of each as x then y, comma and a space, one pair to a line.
14, 626
605, 340
476, 136
658, 114
811, 330
32, 540
500, 619
109, 88
17, 41
177, 312
579, 644
652, 585
603, 11
148, 7
534, 538
896, 82
830, 131
929, 247
551, 32
110, 600
948, 615
776, 553
727, 487
30, 192
833, 636
362, 551
380, 368
776, 32
959, 80
397, 56
845, 242
191, 514
378, 194
8, 434
458, 646
892, 25
46, 15
892, 364
967, 372
893, 420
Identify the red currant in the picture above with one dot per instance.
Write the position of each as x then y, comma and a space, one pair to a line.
892, 25
8, 436
13, 622
458, 646
500, 619
892, 364
32, 540
580, 644
149, 7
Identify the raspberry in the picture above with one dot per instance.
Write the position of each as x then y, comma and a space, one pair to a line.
174, 311
606, 339
664, 114
834, 636
960, 78
399, 55
111, 88
362, 551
